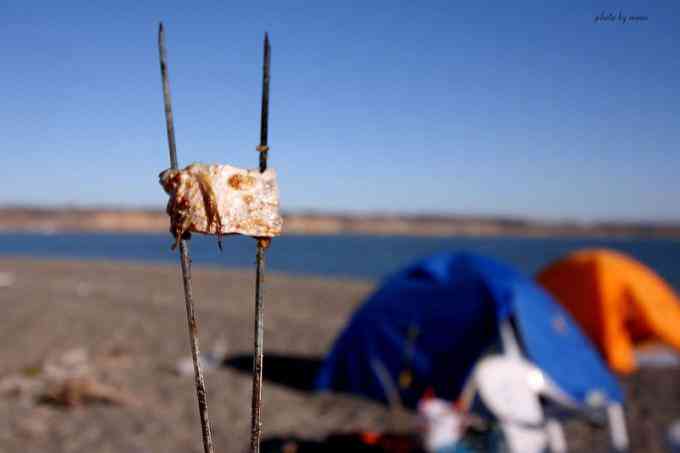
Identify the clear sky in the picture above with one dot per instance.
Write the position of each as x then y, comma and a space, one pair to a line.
510, 108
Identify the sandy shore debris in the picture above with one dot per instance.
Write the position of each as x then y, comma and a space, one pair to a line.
132, 324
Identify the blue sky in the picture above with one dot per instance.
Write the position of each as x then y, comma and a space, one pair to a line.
513, 109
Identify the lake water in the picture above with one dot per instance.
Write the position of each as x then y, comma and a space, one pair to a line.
367, 257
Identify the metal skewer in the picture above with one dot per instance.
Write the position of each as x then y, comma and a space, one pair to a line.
262, 244
185, 260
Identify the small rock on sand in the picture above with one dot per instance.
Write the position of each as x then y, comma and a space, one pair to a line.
7, 279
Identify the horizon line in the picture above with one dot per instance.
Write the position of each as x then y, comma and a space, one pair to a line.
513, 217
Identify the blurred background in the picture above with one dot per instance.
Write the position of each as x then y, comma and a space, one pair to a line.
521, 132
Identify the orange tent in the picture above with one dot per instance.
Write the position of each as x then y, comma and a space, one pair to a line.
619, 302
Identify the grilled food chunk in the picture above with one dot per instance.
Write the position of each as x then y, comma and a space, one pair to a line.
221, 199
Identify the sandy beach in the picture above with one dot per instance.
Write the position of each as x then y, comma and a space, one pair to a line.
129, 320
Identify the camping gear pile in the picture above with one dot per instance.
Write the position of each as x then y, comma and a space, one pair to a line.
477, 347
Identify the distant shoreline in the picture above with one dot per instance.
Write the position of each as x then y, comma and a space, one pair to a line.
33, 219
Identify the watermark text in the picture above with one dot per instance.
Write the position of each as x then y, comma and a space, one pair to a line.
620, 18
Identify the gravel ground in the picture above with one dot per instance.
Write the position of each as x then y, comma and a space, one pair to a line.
130, 319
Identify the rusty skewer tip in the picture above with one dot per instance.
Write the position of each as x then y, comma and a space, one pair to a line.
264, 113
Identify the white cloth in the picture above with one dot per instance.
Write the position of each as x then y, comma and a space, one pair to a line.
440, 424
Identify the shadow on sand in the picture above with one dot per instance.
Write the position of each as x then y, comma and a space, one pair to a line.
299, 373
295, 372
342, 443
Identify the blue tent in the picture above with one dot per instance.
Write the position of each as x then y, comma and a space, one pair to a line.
436, 317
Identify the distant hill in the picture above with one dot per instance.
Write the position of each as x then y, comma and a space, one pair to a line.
140, 220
